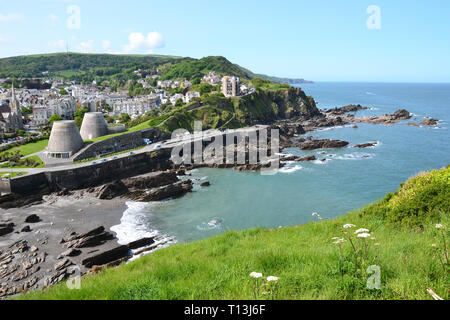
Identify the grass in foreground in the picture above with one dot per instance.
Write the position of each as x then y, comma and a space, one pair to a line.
309, 265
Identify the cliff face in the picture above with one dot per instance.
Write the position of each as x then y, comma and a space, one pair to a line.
265, 106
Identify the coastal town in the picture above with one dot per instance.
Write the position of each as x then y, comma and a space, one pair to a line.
29, 108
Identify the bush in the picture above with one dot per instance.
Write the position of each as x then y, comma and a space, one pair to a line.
421, 200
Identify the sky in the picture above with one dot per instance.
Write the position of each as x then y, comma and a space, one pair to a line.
322, 40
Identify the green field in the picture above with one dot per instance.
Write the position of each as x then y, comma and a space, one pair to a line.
29, 148
404, 242
40, 164
12, 174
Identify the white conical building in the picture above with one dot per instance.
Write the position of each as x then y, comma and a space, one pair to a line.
93, 126
65, 140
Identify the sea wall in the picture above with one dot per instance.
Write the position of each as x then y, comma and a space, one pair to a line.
88, 176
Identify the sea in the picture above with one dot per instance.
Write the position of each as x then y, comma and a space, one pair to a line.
349, 179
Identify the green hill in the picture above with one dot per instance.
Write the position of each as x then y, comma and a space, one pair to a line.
404, 242
89, 67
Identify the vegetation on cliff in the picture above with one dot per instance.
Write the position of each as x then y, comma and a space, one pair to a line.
270, 102
311, 261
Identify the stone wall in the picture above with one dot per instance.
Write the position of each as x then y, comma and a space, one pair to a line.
89, 176
120, 143
116, 144
30, 184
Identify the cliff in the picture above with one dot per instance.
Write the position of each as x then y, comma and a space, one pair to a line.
266, 105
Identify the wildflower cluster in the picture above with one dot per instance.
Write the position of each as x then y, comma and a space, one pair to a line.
264, 288
360, 242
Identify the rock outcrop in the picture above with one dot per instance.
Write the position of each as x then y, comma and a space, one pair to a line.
348, 108
396, 117
365, 145
112, 190
430, 122
162, 193
152, 181
323, 144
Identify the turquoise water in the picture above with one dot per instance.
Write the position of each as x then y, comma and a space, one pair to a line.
349, 179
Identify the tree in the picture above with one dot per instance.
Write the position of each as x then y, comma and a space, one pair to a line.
124, 118
54, 118
79, 116
179, 103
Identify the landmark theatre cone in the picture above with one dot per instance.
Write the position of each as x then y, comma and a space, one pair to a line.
65, 140
94, 126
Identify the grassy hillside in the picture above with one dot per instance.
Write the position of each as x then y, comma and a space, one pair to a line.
76, 66
89, 67
308, 261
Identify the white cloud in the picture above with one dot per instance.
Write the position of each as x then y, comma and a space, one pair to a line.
86, 47
137, 41
53, 18
11, 17
106, 45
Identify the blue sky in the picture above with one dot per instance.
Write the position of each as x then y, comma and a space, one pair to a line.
322, 40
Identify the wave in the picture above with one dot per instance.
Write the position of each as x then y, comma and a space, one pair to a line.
213, 224
322, 161
289, 168
133, 224
355, 156
333, 128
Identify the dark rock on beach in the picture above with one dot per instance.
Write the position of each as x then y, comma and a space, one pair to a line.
112, 190
26, 229
33, 219
152, 181
158, 194
205, 184
106, 257
6, 228
90, 239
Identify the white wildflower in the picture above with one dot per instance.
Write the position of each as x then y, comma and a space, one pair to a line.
338, 240
362, 231
271, 278
439, 226
256, 275
348, 226
363, 235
